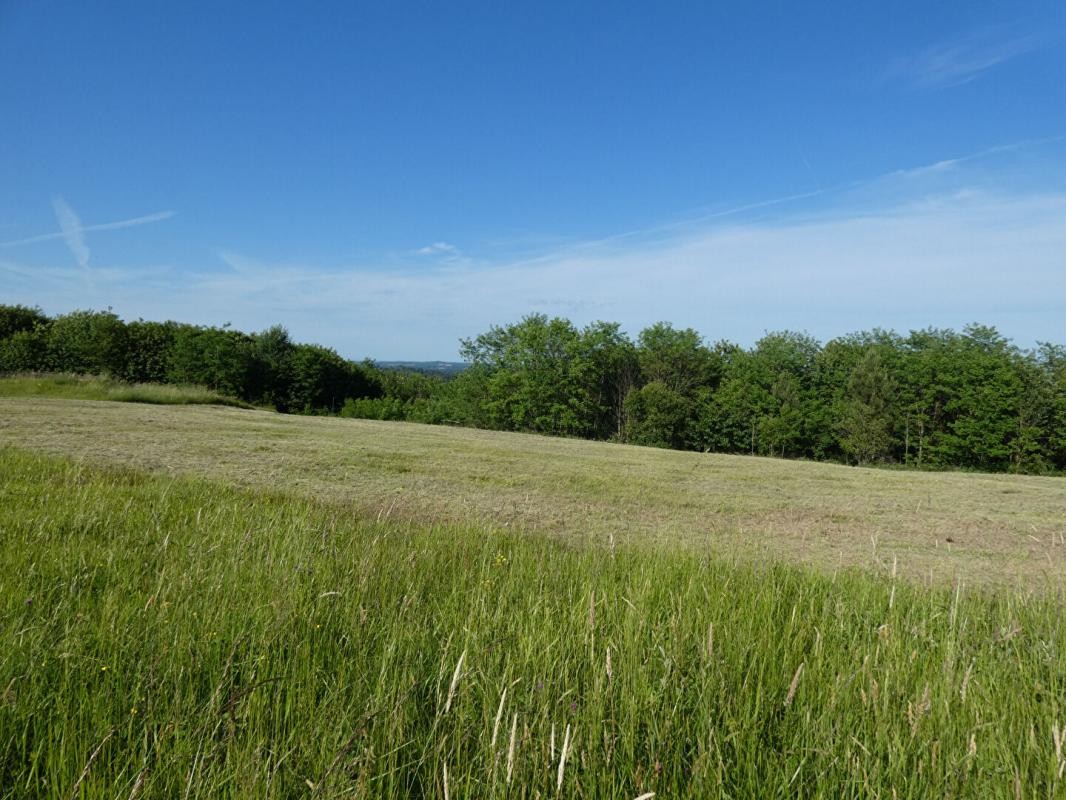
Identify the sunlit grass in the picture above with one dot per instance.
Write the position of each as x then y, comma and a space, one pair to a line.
97, 387
935, 527
178, 638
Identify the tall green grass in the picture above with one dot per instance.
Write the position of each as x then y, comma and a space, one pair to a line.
175, 638
99, 387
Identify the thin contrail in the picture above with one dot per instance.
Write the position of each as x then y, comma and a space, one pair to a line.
70, 228
105, 226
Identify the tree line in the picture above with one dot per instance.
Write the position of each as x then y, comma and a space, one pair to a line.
265, 368
934, 398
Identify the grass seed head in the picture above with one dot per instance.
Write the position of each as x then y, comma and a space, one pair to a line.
455, 682
499, 715
794, 685
562, 760
510, 748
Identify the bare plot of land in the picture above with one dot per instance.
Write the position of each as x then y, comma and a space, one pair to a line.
981, 528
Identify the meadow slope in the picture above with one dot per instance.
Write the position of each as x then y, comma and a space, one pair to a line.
939, 527
176, 637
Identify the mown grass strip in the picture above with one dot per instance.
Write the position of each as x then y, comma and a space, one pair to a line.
982, 529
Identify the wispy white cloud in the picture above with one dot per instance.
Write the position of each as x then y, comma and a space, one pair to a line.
74, 226
906, 253
945, 260
71, 230
949, 165
438, 248
962, 59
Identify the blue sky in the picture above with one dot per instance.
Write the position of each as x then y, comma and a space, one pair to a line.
385, 178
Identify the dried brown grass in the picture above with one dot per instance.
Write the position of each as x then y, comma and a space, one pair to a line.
1002, 528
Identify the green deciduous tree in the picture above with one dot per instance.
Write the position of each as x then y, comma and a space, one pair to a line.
88, 341
218, 358
609, 371
1052, 362
866, 412
18, 318
534, 380
148, 347
677, 369
274, 350
658, 416
545, 375
677, 359
24, 351
322, 380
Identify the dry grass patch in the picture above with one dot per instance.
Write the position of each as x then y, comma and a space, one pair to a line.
936, 526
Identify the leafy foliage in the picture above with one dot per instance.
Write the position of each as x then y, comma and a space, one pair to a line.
148, 345
865, 417
87, 341
19, 319
658, 416
24, 351
265, 368
545, 375
932, 399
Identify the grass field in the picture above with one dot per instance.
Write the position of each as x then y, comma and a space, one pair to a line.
934, 527
97, 387
176, 637
211, 602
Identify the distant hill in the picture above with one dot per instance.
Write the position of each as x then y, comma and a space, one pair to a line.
446, 368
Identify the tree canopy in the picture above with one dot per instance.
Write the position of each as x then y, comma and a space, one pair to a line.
931, 399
